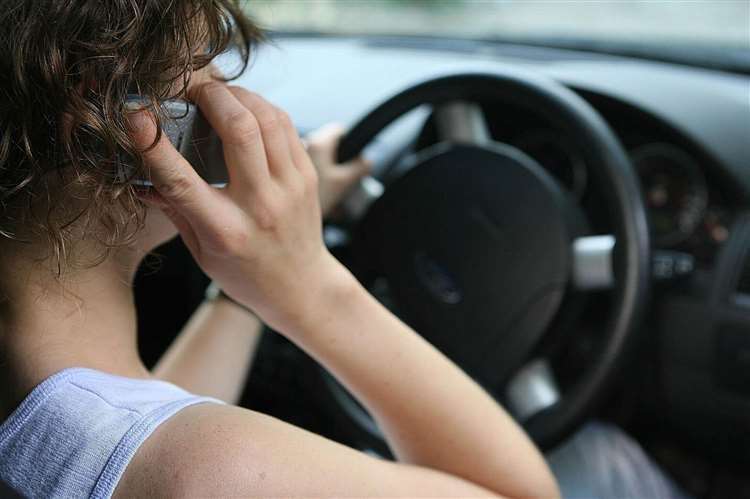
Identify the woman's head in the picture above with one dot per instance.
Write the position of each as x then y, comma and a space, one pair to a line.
66, 67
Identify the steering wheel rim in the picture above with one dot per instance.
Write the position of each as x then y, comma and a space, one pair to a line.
615, 175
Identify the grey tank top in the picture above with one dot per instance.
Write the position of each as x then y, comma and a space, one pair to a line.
76, 432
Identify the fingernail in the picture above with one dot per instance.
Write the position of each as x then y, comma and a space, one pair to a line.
133, 106
134, 102
141, 122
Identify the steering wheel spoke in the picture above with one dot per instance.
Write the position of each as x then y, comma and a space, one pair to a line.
462, 122
592, 267
364, 193
532, 389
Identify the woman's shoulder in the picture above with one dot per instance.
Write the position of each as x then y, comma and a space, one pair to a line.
213, 450
76, 431
196, 450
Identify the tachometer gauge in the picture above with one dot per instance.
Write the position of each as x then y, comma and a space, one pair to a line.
674, 189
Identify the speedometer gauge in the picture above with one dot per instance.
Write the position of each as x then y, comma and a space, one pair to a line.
674, 189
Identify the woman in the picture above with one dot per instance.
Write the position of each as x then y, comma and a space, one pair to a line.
83, 416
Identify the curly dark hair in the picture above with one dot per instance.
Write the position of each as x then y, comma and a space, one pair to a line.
66, 67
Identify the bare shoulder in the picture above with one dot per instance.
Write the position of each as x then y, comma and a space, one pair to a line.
189, 451
216, 450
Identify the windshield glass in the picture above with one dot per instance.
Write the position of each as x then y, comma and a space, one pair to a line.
673, 24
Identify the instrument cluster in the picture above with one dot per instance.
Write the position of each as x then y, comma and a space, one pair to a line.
685, 211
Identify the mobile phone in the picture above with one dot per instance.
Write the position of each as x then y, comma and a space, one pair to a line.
193, 137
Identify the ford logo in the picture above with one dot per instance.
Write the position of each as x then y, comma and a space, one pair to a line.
436, 279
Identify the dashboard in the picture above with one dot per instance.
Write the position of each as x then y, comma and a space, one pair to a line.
687, 131
690, 207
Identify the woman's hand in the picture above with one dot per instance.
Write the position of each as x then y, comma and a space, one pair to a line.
260, 238
334, 180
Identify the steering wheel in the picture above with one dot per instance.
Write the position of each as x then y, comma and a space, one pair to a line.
478, 244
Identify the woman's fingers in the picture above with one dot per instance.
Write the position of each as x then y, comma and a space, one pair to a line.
335, 180
240, 133
187, 233
171, 175
324, 141
300, 157
323, 144
271, 124
153, 199
261, 237
354, 170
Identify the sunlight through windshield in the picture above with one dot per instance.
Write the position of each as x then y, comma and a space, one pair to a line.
674, 22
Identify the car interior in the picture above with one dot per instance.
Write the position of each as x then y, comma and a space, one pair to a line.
566, 218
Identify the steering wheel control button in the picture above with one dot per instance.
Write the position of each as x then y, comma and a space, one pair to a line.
668, 265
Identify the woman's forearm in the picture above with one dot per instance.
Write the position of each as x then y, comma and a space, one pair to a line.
431, 412
213, 354
260, 240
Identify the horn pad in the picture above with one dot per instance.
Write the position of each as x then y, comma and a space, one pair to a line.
474, 247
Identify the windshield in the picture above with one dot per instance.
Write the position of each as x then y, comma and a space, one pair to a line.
721, 27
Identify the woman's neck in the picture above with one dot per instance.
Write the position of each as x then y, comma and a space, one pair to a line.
85, 319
